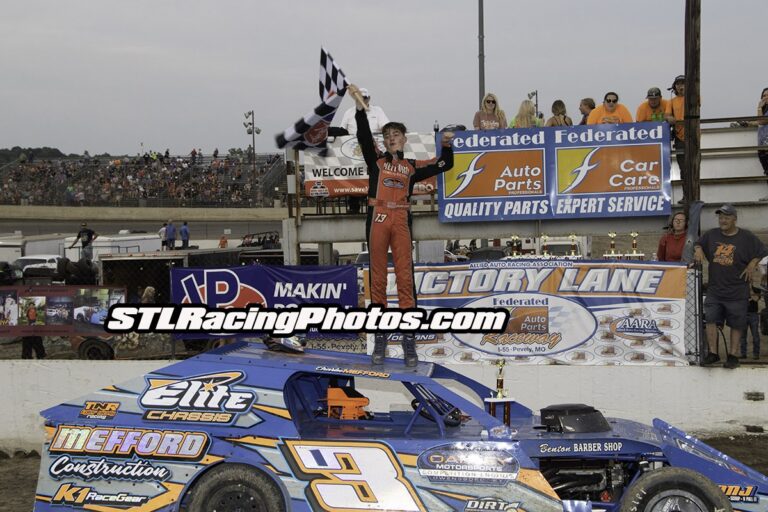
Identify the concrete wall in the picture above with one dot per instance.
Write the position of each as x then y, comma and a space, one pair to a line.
695, 399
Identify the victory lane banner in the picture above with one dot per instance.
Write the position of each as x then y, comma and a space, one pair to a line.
342, 171
561, 311
56, 310
558, 173
264, 285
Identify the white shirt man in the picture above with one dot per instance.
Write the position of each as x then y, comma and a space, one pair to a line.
376, 116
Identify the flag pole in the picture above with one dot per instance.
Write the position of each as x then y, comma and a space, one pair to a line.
297, 219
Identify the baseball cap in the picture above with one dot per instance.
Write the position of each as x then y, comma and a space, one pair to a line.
654, 92
365, 92
679, 78
726, 209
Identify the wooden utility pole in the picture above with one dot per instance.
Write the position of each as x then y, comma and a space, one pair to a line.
481, 54
692, 184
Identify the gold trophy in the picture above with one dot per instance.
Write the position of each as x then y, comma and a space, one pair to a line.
500, 391
634, 242
544, 250
515, 239
612, 235
572, 236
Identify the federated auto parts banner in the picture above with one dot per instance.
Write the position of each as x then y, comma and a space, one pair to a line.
561, 312
342, 171
268, 286
56, 310
558, 173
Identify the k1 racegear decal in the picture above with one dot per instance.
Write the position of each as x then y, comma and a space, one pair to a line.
69, 494
351, 476
127, 442
210, 398
138, 470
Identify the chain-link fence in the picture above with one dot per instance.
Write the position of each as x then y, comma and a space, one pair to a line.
693, 317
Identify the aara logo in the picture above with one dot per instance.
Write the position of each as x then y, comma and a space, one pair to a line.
69, 494
485, 504
220, 288
99, 410
210, 398
633, 328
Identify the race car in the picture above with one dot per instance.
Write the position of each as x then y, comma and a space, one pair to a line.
243, 427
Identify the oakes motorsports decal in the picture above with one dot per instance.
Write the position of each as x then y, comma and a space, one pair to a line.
268, 286
561, 311
563, 172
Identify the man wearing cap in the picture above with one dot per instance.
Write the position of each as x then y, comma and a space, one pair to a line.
653, 108
85, 236
675, 111
376, 116
733, 254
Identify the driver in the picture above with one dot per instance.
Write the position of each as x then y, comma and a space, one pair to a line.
391, 178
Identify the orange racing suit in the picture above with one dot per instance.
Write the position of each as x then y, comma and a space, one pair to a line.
390, 184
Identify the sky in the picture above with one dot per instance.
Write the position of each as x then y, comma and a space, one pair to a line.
122, 77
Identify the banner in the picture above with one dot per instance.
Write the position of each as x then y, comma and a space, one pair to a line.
561, 311
558, 173
56, 310
273, 287
342, 171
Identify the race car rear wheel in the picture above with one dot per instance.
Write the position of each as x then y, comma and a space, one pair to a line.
95, 349
674, 490
235, 488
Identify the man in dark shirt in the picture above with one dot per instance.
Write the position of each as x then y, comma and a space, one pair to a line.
733, 254
86, 236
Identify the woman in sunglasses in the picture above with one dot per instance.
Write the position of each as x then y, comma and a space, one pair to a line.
490, 116
610, 112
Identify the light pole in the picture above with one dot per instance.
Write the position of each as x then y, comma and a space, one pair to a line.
253, 130
535, 94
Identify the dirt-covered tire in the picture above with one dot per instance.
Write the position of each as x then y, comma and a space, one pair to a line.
234, 488
95, 349
683, 489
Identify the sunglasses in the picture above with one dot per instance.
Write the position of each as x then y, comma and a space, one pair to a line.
491, 101
612, 101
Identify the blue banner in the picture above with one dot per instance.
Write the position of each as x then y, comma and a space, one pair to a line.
273, 287
558, 173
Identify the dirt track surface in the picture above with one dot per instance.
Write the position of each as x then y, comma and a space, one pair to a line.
18, 475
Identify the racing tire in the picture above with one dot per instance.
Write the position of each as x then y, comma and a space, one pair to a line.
688, 490
93, 349
235, 488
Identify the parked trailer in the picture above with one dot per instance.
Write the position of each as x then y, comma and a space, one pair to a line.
114, 244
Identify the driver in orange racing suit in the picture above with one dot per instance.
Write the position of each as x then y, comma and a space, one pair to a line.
391, 178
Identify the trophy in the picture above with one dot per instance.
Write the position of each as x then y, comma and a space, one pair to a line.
572, 236
500, 391
612, 235
544, 250
515, 241
634, 242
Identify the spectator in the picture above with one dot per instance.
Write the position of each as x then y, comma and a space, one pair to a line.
526, 116
675, 111
223, 242
490, 116
163, 234
733, 254
184, 232
376, 116
31, 314
148, 297
193, 156
610, 112
86, 237
30, 344
559, 117
586, 106
216, 153
170, 235
653, 108
753, 324
762, 133
673, 243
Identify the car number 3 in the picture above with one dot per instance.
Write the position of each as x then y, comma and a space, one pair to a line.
353, 476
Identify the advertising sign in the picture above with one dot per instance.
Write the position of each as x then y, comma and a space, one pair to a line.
342, 170
268, 286
561, 311
56, 310
559, 172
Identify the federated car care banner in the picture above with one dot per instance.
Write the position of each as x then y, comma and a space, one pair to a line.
56, 310
342, 171
558, 173
268, 286
561, 312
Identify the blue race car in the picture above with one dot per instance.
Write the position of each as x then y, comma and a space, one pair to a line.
245, 428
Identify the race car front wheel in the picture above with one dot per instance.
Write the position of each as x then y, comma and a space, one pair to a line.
234, 488
674, 489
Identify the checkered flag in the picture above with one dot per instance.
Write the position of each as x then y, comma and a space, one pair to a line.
311, 131
332, 79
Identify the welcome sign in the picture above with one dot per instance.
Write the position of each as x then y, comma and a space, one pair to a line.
559, 172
